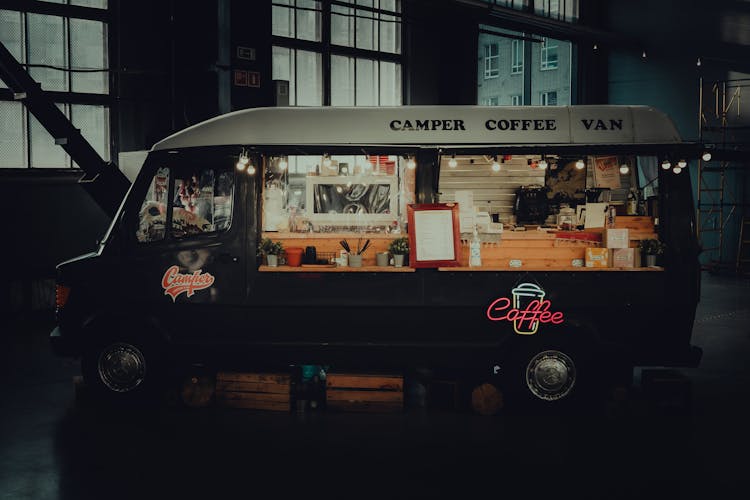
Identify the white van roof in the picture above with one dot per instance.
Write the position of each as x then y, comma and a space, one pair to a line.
431, 125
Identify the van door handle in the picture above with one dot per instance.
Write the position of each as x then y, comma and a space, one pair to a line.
226, 258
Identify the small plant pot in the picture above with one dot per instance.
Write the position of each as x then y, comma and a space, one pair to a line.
382, 259
650, 260
355, 260
398, 260
294, 256
273, 260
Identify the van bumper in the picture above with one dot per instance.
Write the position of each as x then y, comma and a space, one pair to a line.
63, 346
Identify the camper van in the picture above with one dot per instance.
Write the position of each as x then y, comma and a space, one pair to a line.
525, 229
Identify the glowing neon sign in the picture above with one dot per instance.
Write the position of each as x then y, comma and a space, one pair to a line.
529, 309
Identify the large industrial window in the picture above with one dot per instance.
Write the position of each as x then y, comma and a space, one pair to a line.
563, 10
528, 77
362, 48
64, 54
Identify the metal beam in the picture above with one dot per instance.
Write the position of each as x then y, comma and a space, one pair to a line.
105, 183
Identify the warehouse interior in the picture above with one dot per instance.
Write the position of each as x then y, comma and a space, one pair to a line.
127, 74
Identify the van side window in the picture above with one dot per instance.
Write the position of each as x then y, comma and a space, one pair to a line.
152, 216
202, 201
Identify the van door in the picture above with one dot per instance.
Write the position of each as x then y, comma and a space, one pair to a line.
185, 259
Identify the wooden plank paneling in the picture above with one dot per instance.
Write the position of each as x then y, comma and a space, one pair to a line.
359, 396
348, 381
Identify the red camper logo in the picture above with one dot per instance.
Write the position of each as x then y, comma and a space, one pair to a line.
526, 310
174, 282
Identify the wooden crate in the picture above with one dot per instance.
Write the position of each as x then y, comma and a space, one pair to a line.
256, 391
364, 392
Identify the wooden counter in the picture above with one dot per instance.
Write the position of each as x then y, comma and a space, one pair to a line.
536, 250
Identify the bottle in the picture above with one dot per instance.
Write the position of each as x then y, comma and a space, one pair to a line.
632, 205
475, 250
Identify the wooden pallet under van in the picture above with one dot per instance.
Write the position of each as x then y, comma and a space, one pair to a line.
364, 392
257, 391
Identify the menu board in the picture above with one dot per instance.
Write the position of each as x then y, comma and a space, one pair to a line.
433, 234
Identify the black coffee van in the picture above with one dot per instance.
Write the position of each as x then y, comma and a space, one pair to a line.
178, 281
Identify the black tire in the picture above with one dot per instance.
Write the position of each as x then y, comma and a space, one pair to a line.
124, 370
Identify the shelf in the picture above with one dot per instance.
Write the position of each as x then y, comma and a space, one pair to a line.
345, 269
549, 269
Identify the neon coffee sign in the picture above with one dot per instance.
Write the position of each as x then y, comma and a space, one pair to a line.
527, 309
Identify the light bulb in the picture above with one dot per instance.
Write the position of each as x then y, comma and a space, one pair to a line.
240, 166
411, 164
244, 159
250, 169
624, 169
682, 163
283, 164
452, 162
666, 165
495, 166
706, 156
543, 164
580, 165
677, 169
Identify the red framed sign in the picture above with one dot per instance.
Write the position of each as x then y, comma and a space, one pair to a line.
433, 234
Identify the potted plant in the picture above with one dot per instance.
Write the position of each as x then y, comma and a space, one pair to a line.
399, 248
651, 247
270, 250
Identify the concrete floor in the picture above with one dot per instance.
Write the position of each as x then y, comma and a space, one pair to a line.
52, 448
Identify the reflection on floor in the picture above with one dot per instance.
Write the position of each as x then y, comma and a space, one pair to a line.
52, 448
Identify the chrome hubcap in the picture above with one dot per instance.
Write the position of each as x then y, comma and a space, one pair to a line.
550, 375
122, 367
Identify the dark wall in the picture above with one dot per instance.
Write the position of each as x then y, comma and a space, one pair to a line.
441, 43
675, 34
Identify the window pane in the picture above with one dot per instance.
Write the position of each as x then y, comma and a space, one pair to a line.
390, 34
12, 135
99, 4
308, 20
47, 46
11, 35
342, 81
152, 216
342, 26
282, 21
366, 30
283, 69
498, 57
310, 77
367, 82
390, 84
44, 152
202, 201
88, 50
93, 122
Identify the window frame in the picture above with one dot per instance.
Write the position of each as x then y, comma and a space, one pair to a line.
545, 64
327, 49
517, 56
163, 159
489, 71
66, 99
544, 97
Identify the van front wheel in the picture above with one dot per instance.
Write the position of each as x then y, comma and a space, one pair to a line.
121, 370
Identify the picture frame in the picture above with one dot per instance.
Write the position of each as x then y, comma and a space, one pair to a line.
434, 236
